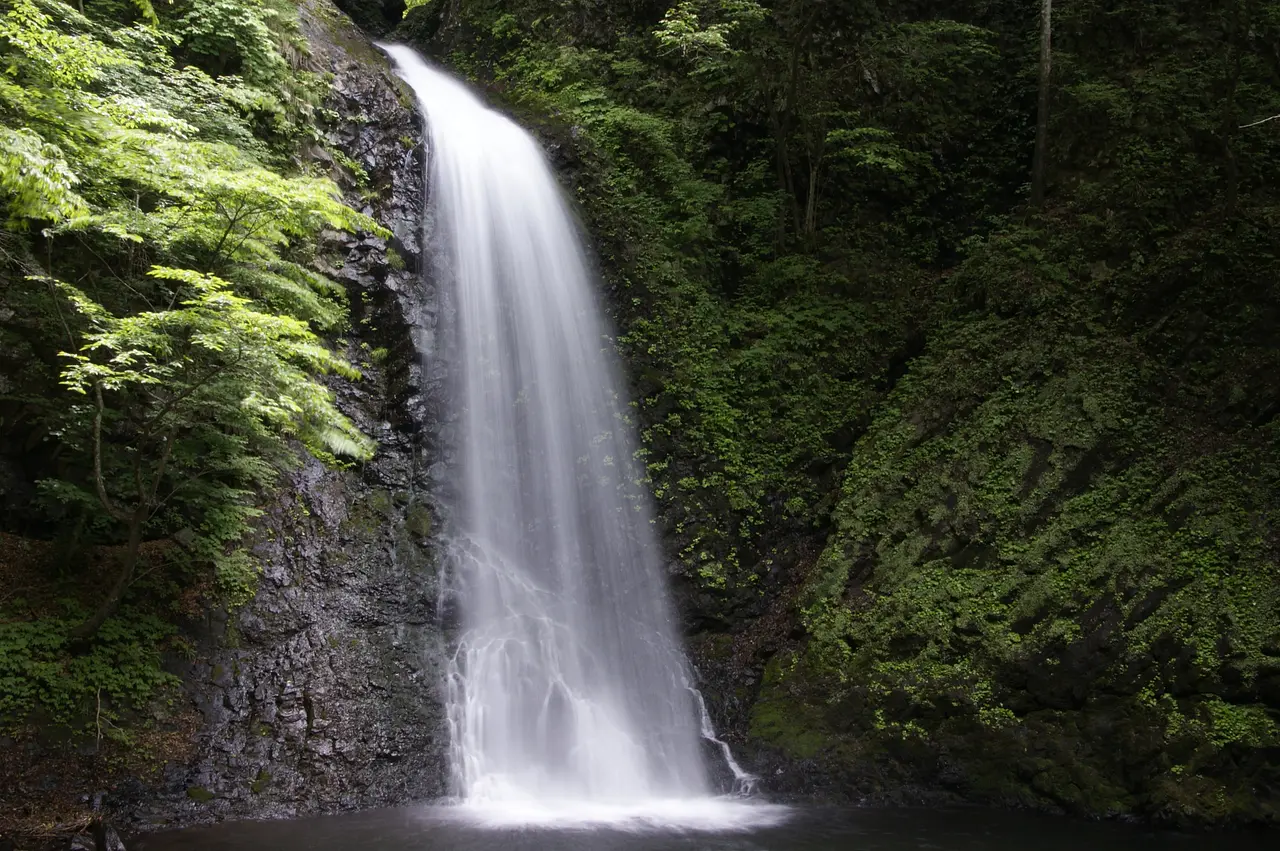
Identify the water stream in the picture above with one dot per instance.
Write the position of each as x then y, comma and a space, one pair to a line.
569, 697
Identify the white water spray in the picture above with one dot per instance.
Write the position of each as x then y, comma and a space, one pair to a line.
567, 699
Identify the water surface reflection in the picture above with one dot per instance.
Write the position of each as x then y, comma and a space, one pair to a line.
443, 829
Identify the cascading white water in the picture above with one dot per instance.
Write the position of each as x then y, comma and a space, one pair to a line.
569, 695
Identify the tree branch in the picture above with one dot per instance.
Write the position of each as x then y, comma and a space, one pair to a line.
176, 400
233, 219
1256, 123
99, 482
169, 440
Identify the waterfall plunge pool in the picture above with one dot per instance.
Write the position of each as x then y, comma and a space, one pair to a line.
434, 828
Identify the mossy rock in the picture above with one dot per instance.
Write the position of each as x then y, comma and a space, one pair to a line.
261, 782
781, 720
381, 502
370, 512
715, 647
200, 795
419, 521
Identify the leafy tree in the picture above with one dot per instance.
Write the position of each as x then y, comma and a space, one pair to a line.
170, 258
203, 396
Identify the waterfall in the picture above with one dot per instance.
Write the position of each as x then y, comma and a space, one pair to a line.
569, 690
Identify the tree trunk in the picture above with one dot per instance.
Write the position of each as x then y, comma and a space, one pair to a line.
1042, 113
1236, 23
811, 202
784, 122
785, 182
111, 602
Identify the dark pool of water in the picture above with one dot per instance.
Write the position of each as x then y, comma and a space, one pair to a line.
431, 829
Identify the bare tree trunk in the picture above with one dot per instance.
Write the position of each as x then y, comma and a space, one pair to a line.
1042, 113
793, 89
785, 122
786, 183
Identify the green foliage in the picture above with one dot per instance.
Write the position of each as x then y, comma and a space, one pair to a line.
681, 30
161, 254
253, 45
234, 35
1020, 506
36, 180
206, 390
89, 693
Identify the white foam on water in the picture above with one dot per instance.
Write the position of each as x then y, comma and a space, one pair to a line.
703, 815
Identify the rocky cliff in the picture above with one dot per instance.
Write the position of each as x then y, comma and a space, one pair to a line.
321, 694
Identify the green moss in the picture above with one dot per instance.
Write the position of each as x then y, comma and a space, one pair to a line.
1020, 509
370, 512
781, 720
785, 724
200, 795
260, 782
419, 522
380, 502
715, 647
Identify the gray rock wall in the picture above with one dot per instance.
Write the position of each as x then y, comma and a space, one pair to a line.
322, 694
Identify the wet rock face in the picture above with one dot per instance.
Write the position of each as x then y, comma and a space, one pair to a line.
323, 693
377, 17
